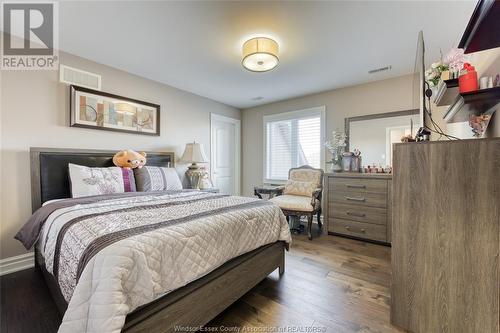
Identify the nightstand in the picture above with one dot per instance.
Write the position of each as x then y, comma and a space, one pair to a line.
210, 190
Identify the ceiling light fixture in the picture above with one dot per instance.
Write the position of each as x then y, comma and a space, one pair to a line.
260, 54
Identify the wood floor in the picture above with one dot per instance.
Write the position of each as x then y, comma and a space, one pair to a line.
331, 284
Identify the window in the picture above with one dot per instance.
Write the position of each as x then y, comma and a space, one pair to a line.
292, 139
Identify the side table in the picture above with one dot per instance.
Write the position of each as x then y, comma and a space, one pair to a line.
270, 190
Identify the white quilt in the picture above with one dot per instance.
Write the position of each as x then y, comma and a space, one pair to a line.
141, 268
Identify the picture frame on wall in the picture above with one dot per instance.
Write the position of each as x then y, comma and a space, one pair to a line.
95, 109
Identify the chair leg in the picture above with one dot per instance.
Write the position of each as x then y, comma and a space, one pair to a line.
309, 226
318, 216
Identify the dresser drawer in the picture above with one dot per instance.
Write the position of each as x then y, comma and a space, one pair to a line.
357, 185
360, 229
361, 199
357, 213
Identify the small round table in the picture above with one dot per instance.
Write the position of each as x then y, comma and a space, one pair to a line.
270, 190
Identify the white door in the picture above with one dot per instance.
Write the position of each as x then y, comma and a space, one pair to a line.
224, 151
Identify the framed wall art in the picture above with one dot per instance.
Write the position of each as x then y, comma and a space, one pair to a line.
99, 110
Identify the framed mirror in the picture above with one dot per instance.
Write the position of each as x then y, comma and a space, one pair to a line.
374, 134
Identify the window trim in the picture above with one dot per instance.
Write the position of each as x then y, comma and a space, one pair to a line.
298, 114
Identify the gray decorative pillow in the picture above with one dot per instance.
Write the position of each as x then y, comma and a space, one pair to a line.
151, 178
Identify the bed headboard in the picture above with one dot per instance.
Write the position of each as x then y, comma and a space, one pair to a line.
49, 169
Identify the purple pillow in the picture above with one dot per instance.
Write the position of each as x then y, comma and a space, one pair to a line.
128, 180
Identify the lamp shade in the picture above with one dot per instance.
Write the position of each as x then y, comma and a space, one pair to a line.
260, 54
194, 153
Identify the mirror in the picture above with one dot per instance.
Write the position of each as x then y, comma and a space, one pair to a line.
374, 134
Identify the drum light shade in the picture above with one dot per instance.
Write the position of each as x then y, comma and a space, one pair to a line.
260, 54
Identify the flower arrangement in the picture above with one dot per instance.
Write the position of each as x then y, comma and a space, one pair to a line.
433, 74
453, 61
336, 145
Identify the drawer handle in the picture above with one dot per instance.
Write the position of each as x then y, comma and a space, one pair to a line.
363, 230
356, 214
355, 199
347, 227
356, 186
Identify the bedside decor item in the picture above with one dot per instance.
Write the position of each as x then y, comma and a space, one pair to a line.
99, 110
467, 81
129, 159
260, 54
194, 153
336, 146
205, 183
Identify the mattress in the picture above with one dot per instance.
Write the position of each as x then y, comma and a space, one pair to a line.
111, 254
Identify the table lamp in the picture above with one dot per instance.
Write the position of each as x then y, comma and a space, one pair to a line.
194, 153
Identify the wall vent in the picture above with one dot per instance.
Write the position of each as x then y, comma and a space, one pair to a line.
381, 69
70, 75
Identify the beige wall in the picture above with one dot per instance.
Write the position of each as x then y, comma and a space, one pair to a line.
35, 112
381, 96
377, 97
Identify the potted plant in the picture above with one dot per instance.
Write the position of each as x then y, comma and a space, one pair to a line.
336, 146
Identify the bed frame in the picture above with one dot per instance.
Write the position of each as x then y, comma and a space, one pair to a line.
193, 305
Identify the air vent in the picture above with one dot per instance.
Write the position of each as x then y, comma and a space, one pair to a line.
381, 69
70, 75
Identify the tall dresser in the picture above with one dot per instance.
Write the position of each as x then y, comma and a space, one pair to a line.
446, 237
359, 205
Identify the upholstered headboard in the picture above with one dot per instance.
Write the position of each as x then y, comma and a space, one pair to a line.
49, 169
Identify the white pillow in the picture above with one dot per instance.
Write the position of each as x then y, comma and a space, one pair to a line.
87, 181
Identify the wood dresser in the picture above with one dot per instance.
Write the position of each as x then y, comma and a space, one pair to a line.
359, 205
446, 237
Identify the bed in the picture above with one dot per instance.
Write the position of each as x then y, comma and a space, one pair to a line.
188, 300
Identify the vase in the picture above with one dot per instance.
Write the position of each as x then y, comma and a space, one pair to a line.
337, 164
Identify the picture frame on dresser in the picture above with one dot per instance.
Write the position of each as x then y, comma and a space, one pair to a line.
100, 110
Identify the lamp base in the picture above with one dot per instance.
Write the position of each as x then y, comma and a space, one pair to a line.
195, 174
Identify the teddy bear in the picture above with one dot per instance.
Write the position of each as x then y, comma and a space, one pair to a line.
129, 159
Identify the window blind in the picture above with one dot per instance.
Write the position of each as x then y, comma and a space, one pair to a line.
292, 139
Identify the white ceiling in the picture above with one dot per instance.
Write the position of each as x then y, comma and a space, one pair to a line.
196, 46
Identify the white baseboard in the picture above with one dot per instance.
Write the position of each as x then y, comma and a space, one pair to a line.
17, 263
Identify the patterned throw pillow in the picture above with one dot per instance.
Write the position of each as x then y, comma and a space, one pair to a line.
150, 178
86, 181
295, 187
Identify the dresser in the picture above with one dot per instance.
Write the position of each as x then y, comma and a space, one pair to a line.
359, 205
446, 242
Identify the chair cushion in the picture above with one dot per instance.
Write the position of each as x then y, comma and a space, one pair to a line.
306, 175
295, 187
293, 202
